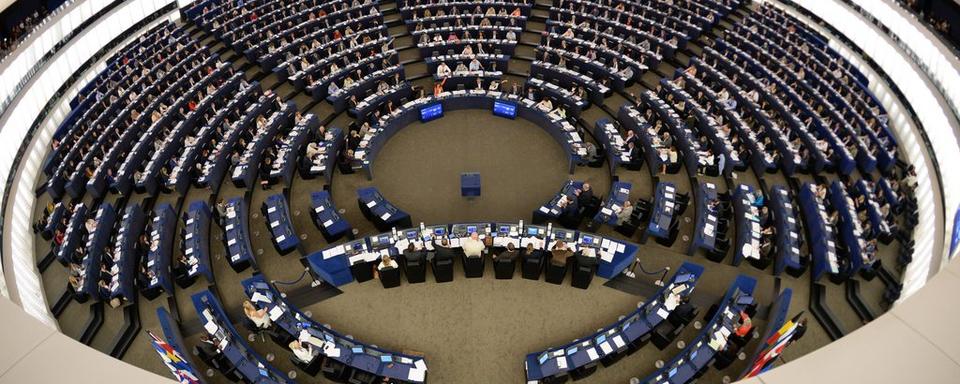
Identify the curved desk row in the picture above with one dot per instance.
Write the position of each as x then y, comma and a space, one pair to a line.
788, 233
277, 213
196, 242
708, 230
747, 218
690, 363
338, 264
331, 224
173, 351
326, 344
553, 209
72, 234
380, 211
237, 235
126, 254
562, 131
233, 347
610, 343
97, 242
291, 148
619, 194
162, 233
820, 233
322, 165
614, 146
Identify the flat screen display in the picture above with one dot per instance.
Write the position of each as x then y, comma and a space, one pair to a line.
505, 109
431, 112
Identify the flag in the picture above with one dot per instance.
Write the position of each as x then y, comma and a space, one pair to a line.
180, 367
774, 346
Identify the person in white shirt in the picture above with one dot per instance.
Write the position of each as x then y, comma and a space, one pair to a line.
624, 213
443, 70
303, 352
475, 65
472, 246
545, 105
257, 316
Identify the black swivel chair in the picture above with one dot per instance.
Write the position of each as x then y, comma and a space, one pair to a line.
532, 265
390, 277
312, 368
362, 377
473, 266
335, 371
443, 265
505, 264
555, 271
584, 268
415, 267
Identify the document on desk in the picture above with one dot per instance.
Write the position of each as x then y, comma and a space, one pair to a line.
258, 297
271, 209
275, 313
385, 216
211, 327
231, 242
607, 349
606, 211
275, 223
561, 362
592, 354
371, 203
319, 209
544, 209
328, 223
662, 313
281, 238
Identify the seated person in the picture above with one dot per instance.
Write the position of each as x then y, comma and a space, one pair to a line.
443, 251
560, 253
545, 105
411, 254
303, 352
625, 212
386, 262
258, 317
510, 254
472, 246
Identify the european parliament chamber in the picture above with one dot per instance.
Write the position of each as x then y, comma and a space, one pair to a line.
480, 191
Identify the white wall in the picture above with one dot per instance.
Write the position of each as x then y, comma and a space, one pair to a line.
18, 239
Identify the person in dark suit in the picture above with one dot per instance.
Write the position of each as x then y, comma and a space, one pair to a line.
412, 255
508, 255
444, 252
585, 198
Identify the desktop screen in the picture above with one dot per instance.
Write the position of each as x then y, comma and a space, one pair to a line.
533, 231
411, 235
505, 109
504, 229
430, 112
358, 246
438, 231
587, 240
471, 229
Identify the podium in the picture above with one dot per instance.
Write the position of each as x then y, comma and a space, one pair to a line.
470, 184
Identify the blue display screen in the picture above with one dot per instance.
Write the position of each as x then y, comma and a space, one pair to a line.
505, 109
587, 240
471, 228
533, 231
431, 111
504, 229
438, 231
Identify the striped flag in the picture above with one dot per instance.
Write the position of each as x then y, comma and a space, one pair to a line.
774, 347
179, 366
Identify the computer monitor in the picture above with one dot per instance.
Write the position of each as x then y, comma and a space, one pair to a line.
505, 109
430, 112
411, 235
586, 240
438, 231
471, 229
504, 229
533, 231
358, 246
